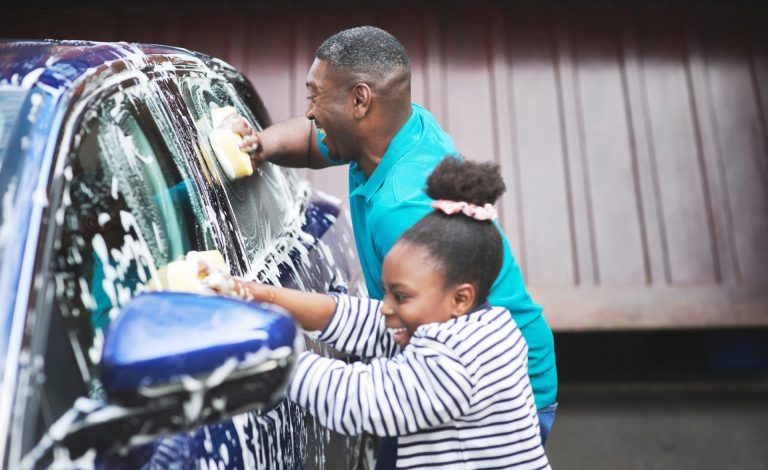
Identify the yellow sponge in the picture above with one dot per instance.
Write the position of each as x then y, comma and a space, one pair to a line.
186, 275
219, 114
226, 146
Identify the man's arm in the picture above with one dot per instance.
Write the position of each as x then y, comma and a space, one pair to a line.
291, 143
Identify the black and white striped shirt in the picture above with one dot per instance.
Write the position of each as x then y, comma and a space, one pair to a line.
457, 396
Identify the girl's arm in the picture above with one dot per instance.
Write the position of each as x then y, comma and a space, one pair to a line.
388, 397
357, 328
312, 311
349, 324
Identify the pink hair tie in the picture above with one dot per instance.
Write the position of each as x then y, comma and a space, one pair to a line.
484, 212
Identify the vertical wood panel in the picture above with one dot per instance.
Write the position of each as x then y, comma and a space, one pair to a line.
91, 24
207, 30
23, 24
740, 138
674, 150
154, 26
435, 67
608, 159
759, 60
539, 146
269, 60
581, 212
303, 53
469, 117
713, 162
300, 61
656, 254
509, 215
237, 39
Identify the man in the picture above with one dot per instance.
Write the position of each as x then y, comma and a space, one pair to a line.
360, 113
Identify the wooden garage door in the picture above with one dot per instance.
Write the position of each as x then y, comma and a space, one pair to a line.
633, 140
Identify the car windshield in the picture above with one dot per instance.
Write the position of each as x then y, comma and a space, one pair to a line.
11, 100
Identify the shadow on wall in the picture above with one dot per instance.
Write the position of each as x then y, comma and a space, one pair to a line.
662, 356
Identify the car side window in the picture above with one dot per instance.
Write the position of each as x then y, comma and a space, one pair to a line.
262, 202
127, 209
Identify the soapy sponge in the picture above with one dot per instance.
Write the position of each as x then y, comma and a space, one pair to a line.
226, 146
186, 275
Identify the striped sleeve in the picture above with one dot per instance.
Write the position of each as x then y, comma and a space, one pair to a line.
409, 393
357, 328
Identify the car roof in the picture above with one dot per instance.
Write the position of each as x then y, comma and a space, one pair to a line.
58, 64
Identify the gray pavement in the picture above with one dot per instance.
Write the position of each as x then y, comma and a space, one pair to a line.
642, 426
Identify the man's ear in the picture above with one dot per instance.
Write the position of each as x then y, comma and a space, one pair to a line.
361, 95
463, 299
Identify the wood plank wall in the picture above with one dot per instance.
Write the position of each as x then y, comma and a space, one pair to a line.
634, 140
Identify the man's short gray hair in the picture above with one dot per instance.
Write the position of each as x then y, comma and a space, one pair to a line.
364, 50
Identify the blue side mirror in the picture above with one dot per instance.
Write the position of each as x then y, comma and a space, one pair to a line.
214, 354
172, 361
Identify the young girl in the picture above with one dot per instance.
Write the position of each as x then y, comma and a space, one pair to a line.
447, 374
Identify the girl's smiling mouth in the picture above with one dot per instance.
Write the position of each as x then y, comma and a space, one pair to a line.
394, 331
400, 334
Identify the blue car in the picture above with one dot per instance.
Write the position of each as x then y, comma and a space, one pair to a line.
107, 177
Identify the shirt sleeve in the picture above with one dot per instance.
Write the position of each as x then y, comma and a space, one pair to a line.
419, 389
357, 328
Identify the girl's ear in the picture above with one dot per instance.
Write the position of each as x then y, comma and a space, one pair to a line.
463, 299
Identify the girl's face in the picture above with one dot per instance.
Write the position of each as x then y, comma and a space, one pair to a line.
415, 292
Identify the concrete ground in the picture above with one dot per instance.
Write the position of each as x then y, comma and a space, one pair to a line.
660, 425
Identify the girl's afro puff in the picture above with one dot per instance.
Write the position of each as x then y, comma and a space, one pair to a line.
461, 180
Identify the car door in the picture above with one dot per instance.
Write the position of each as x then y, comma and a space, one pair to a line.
121, 205
136, 187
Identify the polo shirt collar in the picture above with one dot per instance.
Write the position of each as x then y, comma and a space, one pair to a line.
403, 141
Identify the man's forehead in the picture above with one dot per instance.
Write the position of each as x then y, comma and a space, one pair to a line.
317, 76
322, 77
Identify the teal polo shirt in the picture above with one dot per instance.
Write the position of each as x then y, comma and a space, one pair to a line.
393, 199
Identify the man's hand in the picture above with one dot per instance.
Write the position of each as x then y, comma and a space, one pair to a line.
251, 143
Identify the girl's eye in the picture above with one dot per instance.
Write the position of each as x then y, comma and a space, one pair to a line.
399, 298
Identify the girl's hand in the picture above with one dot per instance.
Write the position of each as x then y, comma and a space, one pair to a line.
238, 288
230, 286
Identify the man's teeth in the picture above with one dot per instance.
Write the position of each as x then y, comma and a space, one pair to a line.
394, 331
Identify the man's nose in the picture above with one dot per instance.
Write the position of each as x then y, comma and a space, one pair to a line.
310, 112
